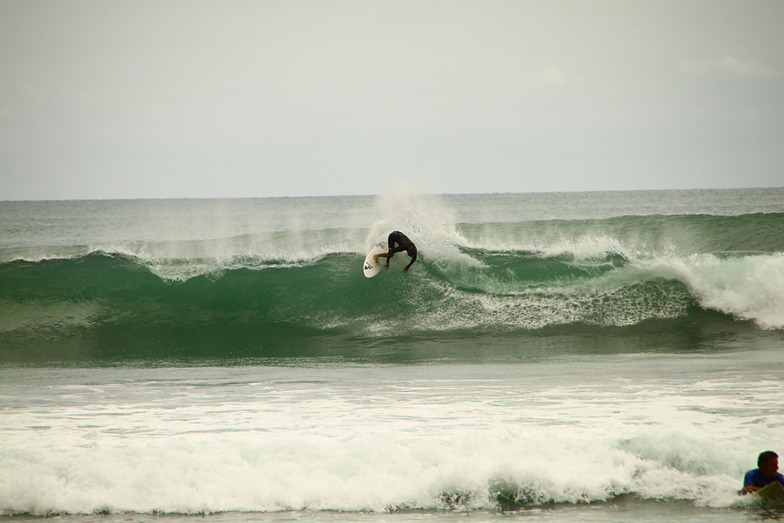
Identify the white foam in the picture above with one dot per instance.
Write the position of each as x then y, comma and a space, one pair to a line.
585, 247
207, 440
749, 287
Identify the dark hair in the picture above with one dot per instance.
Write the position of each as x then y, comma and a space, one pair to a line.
765, 456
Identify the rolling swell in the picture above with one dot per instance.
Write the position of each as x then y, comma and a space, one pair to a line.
108, 307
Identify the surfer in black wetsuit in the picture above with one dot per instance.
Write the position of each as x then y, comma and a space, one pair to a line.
403, 244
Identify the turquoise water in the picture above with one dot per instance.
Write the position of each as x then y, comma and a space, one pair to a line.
606, 356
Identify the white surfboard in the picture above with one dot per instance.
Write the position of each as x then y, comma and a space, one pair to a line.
371, 267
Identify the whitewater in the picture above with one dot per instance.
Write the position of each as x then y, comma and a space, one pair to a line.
596, 356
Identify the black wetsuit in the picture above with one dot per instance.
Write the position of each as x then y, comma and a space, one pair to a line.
403, 244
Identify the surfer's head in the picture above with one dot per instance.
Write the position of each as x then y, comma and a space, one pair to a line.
768, 463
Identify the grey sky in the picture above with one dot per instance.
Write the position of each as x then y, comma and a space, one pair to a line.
194, 98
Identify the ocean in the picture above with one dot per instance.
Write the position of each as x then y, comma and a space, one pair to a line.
599, 356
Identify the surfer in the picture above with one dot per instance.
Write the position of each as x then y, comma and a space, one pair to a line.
403, 244
767, 473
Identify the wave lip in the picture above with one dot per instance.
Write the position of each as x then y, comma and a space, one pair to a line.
747, 287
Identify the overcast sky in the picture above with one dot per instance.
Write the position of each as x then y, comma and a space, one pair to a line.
189, 98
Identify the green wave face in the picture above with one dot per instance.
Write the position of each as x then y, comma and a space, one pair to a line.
109, 307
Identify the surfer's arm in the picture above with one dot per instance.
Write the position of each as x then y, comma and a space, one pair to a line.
750, 489
383, 255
